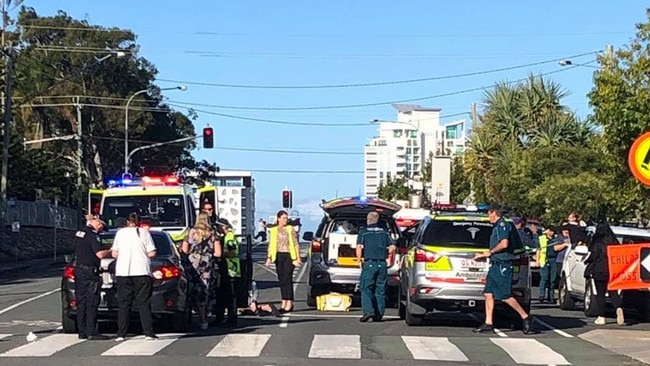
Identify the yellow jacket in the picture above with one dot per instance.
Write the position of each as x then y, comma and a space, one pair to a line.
273, 243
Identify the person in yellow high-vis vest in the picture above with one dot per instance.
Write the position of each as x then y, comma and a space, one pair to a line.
284, 251
546, 255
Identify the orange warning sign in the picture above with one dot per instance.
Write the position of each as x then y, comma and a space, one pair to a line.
629, 266
639, 159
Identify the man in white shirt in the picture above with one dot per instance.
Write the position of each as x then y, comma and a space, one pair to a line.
133, 249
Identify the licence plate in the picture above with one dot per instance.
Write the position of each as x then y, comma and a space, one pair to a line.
467, 263
472, 276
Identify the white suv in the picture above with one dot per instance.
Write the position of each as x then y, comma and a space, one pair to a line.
574, 287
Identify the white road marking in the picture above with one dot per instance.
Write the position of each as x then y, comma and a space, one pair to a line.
548, 326
240, 345
5, 335
336, 346
433, 348
500, 333
285, 322
44, 347
142, 347
28, 301
530, 351
264, 267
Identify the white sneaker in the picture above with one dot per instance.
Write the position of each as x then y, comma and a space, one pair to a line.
600, 321
204, 325
119, 339
620, 318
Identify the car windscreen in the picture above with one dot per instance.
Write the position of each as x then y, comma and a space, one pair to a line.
161, 241
154, 210
464, 234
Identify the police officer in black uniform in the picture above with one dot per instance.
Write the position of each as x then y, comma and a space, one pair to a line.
89, 252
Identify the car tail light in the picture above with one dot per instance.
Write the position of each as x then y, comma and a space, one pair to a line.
316, 246
68, 272
425, 256
166, 272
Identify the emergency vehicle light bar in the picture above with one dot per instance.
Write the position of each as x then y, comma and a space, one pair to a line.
169, 180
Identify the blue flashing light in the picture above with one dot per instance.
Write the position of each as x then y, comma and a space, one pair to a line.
112, 182
363, 198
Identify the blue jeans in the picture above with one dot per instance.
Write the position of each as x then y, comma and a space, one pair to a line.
374, 275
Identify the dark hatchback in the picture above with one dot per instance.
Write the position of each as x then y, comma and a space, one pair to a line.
169, 303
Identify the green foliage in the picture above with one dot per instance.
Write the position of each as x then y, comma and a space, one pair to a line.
620, 100
394, 189
460, 186
62, 63
528, 141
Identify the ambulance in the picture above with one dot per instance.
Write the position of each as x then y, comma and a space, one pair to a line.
163, 203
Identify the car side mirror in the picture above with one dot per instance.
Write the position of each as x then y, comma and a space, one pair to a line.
308, 236
581, 250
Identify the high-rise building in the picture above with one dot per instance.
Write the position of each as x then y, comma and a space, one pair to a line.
402, 146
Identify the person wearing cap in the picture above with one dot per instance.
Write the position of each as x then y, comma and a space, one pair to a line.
374, 244
89, 252
229, 269
525, 233
546, 257
498, 284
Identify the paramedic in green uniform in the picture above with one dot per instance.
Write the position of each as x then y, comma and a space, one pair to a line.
373, 246
498, 285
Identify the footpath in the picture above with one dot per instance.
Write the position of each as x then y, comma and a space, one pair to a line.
9, 267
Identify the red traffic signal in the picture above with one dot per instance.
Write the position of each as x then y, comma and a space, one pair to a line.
208, 138
287, 199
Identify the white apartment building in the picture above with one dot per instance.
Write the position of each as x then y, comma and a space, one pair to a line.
402, 146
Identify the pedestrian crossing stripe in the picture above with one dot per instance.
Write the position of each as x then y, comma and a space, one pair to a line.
527, 351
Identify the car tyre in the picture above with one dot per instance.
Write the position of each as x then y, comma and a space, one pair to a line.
411, 319
590, 308
564, 297
68, 323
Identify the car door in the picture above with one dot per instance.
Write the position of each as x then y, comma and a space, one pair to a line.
574, 266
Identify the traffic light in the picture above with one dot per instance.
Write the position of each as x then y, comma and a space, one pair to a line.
286, 199
208, 138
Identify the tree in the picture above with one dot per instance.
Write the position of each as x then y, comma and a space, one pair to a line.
620, 100
394, 189
460, 187
522, 124
62, 64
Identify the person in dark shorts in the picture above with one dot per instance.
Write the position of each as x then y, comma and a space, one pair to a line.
498, 285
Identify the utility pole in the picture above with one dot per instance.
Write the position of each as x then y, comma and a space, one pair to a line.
6, 97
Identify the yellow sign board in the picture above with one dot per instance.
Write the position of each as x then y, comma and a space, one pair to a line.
639, 159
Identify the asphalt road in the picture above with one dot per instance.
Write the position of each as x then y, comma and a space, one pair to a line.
30, 302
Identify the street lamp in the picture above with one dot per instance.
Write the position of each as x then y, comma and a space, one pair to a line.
565, 62
126, 122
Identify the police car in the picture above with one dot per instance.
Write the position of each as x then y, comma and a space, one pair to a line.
439, 273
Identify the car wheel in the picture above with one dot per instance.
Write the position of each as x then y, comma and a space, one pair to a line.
68, 323
401, 302
566, 301
411, 319
591, 309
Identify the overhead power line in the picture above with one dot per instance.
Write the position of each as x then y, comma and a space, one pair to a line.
379, 83
361, 105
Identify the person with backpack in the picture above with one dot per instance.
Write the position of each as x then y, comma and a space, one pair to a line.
498, 285
201, 247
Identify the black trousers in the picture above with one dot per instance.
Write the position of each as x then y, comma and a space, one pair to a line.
615, 298
225, 296
134, 292
284, 268
87, 287
262, 235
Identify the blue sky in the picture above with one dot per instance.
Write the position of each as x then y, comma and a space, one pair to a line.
284, 43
